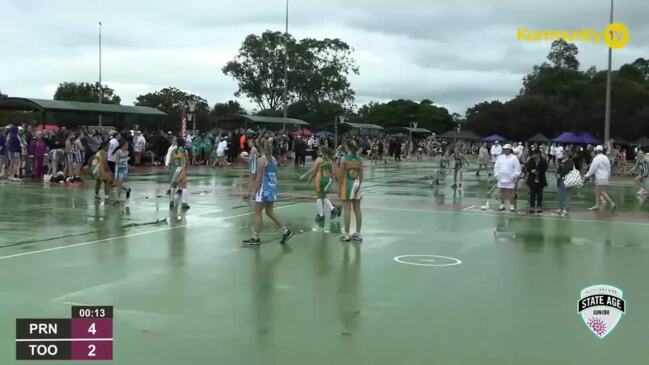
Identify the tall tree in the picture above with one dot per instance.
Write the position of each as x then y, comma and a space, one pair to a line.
84, 91
318, 70
231, 107
2, 95
400, 113
174, 102
564, 55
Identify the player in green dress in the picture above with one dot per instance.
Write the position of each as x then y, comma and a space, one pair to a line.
197, 147
321, 175
206, 148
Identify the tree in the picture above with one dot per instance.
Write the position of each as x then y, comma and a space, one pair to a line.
400, 113
231, 107
2, 96
564, 55
642, 65
318, 70
83, 91
174, 102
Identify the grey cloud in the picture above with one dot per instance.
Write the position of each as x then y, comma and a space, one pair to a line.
456, 53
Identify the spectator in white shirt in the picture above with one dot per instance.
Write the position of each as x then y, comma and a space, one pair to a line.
518, 151
139, 146
558, 152
552, 154
507, 170
496, 150
601, 169
113, 146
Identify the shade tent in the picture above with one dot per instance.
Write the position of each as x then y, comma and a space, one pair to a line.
463, 135
565, 137
257, 119
324, 134
363, 125
539, 137
587, 138
45, 105
494, 138
417, 130
581, 138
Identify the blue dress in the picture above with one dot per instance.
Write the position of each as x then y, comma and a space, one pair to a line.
268, 191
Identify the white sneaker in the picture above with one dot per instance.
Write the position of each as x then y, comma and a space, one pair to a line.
594, 208
356, 237
641, 192
501, 207
344, 237
563, 213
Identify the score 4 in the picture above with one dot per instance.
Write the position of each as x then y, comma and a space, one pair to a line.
92, 338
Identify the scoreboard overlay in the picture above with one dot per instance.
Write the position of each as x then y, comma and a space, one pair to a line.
87, 335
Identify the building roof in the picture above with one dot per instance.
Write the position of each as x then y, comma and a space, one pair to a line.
273, 120
363, 125
74, 106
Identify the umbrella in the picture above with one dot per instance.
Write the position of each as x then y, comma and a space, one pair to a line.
494, 138
539, 137
399, 135
324, 134
642, 141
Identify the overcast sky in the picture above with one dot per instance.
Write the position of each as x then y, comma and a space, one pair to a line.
456, 53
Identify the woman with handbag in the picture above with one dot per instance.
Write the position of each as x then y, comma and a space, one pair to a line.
565, 167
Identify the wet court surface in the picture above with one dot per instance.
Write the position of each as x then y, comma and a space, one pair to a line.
505, 290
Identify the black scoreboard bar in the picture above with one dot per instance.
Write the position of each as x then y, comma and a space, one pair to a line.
87, 335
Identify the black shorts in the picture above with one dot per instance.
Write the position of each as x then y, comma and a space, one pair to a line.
111, 166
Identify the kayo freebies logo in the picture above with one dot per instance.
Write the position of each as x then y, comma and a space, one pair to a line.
615, 35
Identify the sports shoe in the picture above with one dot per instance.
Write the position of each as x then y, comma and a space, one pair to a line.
128, 193
594, 208
252, 241
501, 207
356, 237
185, 206
319, 217
512, 210
344, 237
613, 208
286, 236
563, 213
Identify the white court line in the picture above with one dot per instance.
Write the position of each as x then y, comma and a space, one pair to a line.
130, 235
469, 207
505, 215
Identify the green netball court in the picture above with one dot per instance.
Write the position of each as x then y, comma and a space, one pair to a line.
185, 291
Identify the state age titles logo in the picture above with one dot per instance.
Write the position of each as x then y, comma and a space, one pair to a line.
601, 307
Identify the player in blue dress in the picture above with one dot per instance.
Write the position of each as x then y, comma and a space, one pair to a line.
266, 193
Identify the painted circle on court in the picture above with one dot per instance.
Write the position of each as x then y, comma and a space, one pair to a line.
427, 260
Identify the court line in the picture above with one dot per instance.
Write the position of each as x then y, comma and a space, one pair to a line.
505, 215
132, 234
